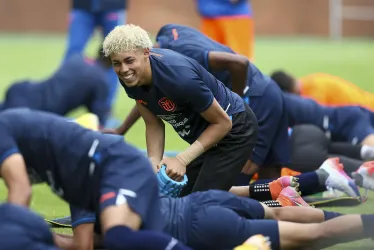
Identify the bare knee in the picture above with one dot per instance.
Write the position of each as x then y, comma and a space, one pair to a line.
299, 236
270, 213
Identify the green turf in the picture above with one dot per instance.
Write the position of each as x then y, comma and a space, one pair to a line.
36, 56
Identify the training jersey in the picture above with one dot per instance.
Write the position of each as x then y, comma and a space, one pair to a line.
194, 44
78, 82
304, 110
223, 8
59, 151
181, 89
334, 91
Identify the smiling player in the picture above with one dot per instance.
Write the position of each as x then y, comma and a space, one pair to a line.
220, 128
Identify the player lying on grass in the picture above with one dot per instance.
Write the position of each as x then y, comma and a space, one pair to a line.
327, 90
220, 220
342, 124
310, 147
109, 176
242, 77
330, 176
79, 82
167, 86
20, 228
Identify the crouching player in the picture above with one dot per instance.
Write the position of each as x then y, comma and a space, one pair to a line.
78, 82
220, 220
20, 228
110, 176
220, 128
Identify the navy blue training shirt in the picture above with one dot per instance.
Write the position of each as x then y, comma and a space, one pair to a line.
172, 210
192, 43
78, 82
304, 110
181, 89
55, 148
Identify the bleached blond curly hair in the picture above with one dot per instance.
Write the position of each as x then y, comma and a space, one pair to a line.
125, 38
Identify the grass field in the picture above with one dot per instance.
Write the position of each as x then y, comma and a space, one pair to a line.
37, 56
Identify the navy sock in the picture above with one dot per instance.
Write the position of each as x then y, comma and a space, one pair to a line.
368, 224
310, 184
243, 180
121, 238
331, 215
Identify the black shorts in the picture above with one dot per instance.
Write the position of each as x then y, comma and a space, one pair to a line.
219, 167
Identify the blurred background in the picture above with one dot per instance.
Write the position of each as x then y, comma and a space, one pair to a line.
300, 36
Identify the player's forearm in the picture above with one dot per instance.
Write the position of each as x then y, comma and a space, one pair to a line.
214, 133
210, 137
129, 121
20, 195
64, 241
239, 78
155, 137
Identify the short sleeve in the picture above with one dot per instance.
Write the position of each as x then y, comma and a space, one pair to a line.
8, 145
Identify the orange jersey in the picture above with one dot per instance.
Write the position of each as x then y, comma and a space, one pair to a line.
331, 90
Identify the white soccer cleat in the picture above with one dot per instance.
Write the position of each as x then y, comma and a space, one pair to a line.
366, 171
338, 179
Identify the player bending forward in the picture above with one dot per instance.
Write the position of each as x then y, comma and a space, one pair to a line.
110, 176
220, 128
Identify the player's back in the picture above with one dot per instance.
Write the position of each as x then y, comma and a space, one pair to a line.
304, 110
56, 148
194, 44
74, 84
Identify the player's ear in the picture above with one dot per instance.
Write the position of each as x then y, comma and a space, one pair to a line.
146, 53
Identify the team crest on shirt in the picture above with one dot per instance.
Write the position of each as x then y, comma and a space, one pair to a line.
167, 104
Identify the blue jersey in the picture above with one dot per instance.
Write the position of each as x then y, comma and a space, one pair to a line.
56, 149
192, 43
99, 5
181, 89
305, 111
76, 83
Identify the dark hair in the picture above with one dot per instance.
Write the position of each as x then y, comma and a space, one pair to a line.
284, 80
100, 54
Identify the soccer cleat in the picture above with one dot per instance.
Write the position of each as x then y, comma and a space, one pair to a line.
366, 172
290, 197
338, 179
256, 242
279, 184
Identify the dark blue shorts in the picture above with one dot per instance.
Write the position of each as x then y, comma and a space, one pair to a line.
126, 176
20, 228
350, 124
272, 146
221, 220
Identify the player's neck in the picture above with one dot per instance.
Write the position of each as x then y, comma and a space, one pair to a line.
147, 75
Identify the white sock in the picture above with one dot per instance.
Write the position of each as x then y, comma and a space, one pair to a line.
367, 153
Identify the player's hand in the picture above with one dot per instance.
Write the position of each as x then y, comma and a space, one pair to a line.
175, 169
